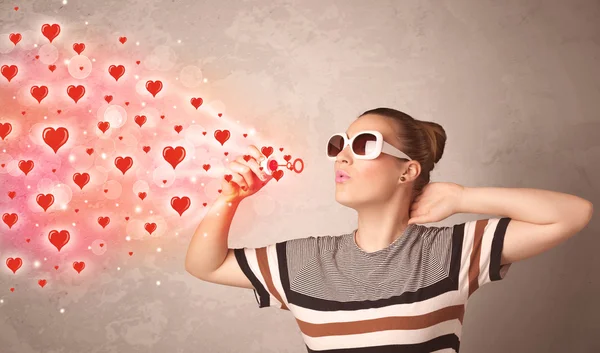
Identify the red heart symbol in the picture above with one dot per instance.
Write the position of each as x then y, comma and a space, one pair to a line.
245, 135
10, 219
76, 210
45, 201
78, 266
37, 56
228, 177
54, 170
146, 149
76, 92
16, 8
225, 153
222, 136
81, 68
277, 174
50, 31
123, 164
58, 111
247, 157
12, 289
28, 240
140, 120
150, 227
220, 115
130, 253
105, 191
196, 102
154, 87
39, 92
26, 166
78, 47
52, 67
42, 282
206, 167
204, 133
108, 98
103, 126
23, 112
142, 195
81, 180
138, 62
122, 40
164, 181
103, 221
5, 129
15, 37
89, 151
127, 218
14, 264
180, 204
55, 138
3, 164
101, 245
12, 194
178, 128
59, 239
219, 191
267, 151
287, 157
162, 116
120, 137
204, 204
116, 71
56, 267
9, 71
174, 155
127, 103
281, 149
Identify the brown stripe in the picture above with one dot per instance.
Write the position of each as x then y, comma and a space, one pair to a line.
382, 324
263, 265
476, 255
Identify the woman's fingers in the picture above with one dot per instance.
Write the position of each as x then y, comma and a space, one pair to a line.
238, 175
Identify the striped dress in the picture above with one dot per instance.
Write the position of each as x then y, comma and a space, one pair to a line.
408, 297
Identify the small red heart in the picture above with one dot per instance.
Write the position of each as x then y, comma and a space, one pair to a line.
81, 68
281, 149
52, 67
37, 56
204, 204
164, 181
53, 170
142, 195
178, 128
245, 135
220, 115
2, 165
58, 111
287, 157
89, 151
247, 157
12, 289
204, 133
127, 218
56, 267
206, 167
105, 190
226, 153
130, 253
101, 245
219, 191
28, 240
122, 40
11, 194
162, 116
76, 210
108, 98
127, 103
146, 149
16, 8
228, 177
120, 137
42, 282
138, 62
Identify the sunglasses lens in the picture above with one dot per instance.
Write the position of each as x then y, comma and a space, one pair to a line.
335, 145
364, 144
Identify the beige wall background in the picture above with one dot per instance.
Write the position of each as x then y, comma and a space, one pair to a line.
515, 84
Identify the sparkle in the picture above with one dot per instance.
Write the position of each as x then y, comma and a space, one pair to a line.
158, 249
178, 40
89, 248
158, 283
64, 207
62, 311
1, 301
86, 22
45, 117
66, 62
136, 77
85, 132
137, 43
29, 186
71, 158
36, 264
118, 269
73, 224
103, 155
205, 80
64, 2
85, 201
128, 238
138, 209
117, 204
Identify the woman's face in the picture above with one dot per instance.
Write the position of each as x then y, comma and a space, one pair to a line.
373, 181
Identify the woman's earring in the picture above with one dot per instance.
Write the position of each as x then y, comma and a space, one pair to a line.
402, 178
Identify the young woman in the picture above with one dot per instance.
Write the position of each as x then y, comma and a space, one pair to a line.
391, 285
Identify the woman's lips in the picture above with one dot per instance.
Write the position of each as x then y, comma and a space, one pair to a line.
341, 178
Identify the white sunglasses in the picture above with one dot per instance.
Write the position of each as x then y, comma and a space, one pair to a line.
367, 144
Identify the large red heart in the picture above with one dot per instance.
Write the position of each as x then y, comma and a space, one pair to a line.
10, 219
81, 179
76, 92
59, 239
9, 71
116, 71
79, 266
5, 129
103, 221
78, 47
39, 92
174, 155
222, 136
55, 138
26, 166
196, 102
154, 87
123, 164
15, 38
180, 204
50, 31
150, 227
45, 201
14, 264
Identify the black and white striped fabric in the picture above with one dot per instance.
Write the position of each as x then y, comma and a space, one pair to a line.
408, 297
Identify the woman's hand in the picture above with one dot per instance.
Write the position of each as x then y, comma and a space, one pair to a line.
246, 177
437, 202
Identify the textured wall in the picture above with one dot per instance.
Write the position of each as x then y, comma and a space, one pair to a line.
515, 85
